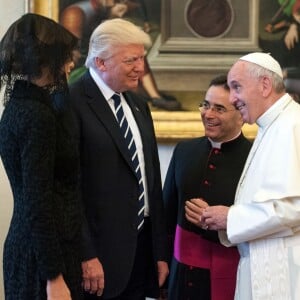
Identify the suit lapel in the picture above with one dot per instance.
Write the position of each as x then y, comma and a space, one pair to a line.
100, 107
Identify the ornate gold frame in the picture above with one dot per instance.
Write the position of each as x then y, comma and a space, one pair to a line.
176, 126
48, 8
169, 126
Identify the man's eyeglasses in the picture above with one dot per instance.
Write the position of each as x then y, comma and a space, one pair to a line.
217, 108
132, 60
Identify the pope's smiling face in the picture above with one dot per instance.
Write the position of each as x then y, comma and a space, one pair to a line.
221, 120
245, 92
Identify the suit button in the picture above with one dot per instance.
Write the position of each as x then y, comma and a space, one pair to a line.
212, 167
206, 182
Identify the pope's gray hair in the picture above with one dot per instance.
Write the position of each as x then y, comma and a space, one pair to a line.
256, 71
112, 33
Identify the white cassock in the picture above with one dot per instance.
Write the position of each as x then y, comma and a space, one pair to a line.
265, 219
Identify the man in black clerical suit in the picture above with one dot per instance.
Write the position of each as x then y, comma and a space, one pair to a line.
208, 167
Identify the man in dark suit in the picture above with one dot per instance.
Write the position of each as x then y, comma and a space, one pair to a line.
209, 168
124, 248
81, 18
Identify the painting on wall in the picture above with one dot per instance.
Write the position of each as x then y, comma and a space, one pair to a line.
145, 13
279, 35
278, 31
197, 26
278, 22
149, 15
82, 17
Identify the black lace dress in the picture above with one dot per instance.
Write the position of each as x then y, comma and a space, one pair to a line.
40, 156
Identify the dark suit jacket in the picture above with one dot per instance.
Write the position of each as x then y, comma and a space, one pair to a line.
109, 185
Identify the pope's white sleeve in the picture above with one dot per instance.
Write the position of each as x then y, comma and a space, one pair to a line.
270, 219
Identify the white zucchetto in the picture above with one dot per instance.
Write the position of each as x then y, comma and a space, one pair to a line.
264, 60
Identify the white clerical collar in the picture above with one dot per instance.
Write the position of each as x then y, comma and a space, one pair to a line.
218, 145
106, 91
268, 116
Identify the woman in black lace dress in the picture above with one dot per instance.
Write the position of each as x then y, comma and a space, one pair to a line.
38, 149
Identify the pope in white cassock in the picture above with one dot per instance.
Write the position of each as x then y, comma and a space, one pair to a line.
265, 219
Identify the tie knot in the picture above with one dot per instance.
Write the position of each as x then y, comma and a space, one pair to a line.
117, 99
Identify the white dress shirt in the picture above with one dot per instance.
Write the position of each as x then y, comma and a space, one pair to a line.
107, 92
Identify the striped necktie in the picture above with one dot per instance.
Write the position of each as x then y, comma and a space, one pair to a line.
127, 134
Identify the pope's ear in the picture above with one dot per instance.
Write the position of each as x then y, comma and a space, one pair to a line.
266, 85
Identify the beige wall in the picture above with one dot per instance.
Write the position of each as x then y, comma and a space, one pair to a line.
10, 11
5, 214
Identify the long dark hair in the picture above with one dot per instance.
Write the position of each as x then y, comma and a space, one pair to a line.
32, 43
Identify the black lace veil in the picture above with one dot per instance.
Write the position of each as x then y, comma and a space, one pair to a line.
32, 43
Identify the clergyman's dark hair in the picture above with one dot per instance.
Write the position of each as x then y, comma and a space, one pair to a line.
220, 80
